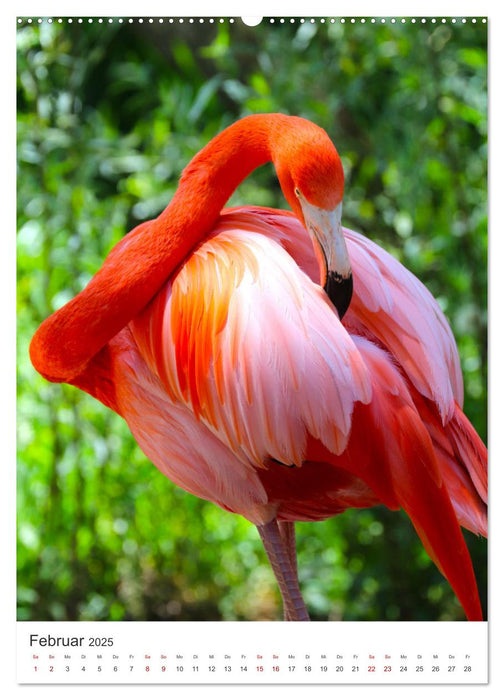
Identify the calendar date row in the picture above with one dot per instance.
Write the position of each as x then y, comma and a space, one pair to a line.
292, 668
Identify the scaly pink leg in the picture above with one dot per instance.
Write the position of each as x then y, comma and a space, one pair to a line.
288, 533
279, 553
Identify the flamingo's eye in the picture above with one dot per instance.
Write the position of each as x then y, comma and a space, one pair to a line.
297, 192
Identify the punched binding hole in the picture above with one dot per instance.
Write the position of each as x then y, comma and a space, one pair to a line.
251, 21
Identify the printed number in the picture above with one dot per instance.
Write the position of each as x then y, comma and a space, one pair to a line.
195, 668
467, 669
419, 669
180, 668
323, 668
260, 668
435, 669
402, 669
276, 669
307, 669
451, 669
355, 669
387, 669
371, 669
292, 668
211, 669
243, 668
340, 668
101, 642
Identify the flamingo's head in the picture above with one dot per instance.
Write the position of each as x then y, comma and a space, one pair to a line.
311, 175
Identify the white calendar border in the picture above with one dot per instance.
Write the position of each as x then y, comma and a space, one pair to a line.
228, 8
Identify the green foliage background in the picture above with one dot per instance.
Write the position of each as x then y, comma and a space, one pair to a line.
108, 116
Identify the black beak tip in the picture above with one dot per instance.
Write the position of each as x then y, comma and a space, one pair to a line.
339, 290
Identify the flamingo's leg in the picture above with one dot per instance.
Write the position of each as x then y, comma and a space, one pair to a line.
279, 553
288, 533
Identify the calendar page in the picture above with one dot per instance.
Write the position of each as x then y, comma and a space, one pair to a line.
252, 350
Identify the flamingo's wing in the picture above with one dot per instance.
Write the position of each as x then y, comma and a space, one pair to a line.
394, 309
415, 473
397, 309
243, 337
462, 457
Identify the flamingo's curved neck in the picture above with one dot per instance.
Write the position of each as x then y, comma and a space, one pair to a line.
213, 175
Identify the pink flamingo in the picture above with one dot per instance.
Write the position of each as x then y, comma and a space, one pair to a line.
277, 364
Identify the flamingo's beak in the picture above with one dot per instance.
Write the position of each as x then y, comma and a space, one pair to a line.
324, 227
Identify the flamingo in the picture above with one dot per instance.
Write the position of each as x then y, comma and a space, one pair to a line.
276, 363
